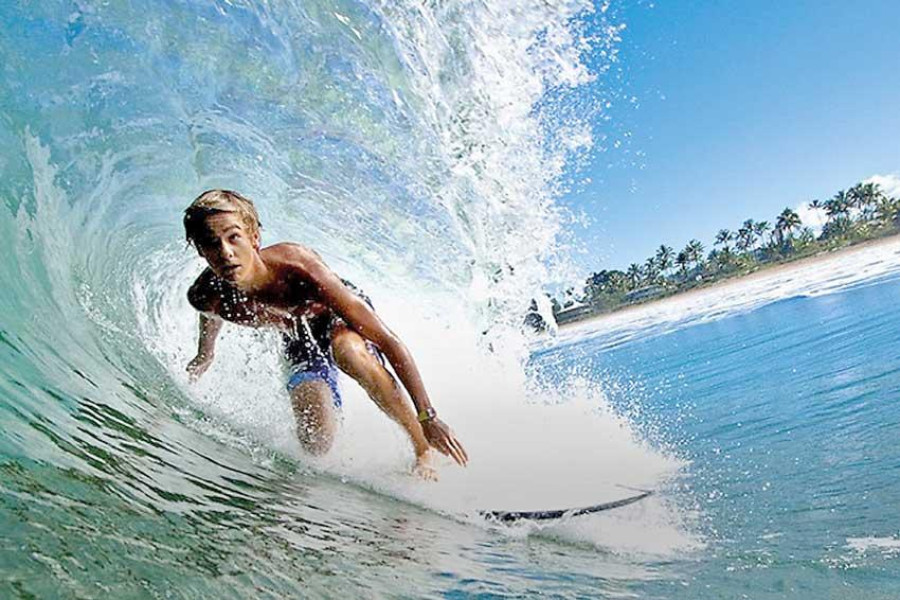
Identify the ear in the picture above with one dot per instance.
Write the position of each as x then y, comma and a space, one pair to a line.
255, 239
199, 250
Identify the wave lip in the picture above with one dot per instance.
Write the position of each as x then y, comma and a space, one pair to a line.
420, 149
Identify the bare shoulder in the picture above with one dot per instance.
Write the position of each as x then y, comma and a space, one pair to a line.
202, 295
294, 258
289, 252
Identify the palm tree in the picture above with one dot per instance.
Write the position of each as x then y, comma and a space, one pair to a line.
746, 235
682, 260
837, 206
723, 237
760, 228
888, 210
664, 256
869, 197
650, 270
634, 275
723, 259
787, 221
806, 236
695, 251
837, 227
855, 196
873, 193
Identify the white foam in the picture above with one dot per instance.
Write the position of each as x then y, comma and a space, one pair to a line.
530, 449
889, 546
452, 252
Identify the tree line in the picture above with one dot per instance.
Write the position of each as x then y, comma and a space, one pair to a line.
859, 213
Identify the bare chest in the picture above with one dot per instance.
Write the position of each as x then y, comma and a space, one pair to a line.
267, 312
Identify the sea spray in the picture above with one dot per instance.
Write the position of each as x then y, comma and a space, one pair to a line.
410, 144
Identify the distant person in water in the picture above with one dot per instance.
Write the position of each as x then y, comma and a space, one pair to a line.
326, 324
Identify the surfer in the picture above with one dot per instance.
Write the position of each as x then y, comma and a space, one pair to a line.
326, 324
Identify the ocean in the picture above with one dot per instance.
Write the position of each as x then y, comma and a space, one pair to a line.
778, 393
422, 149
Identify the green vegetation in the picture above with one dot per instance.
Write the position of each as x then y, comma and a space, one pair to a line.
861, 213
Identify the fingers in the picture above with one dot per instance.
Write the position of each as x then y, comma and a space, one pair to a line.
195, 371
442, 446
451, 447
460, 451
457, 451
446, 443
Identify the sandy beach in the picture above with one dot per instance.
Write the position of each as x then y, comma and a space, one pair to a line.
841, 266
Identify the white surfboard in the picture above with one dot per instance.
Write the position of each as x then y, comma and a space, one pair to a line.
512, 516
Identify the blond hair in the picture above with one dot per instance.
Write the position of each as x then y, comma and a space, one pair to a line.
218, 201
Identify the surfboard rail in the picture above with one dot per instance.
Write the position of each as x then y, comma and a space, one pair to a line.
511, 516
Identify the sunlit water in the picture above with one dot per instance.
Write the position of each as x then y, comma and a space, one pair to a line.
421, 149
787, 415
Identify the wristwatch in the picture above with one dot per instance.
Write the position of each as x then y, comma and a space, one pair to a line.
427, 414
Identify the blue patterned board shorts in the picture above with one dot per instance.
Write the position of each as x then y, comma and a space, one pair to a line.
308, 350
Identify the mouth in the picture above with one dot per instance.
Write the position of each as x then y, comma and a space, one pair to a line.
230, 270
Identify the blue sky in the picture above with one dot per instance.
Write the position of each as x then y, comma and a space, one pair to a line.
739, 110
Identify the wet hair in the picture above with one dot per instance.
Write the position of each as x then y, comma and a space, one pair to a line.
212, 202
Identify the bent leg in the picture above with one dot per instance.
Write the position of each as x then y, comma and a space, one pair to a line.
313, 405
353, 357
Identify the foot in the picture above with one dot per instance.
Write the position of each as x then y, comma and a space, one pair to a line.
424, 467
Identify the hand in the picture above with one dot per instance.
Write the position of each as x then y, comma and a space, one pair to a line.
198, 366
441, 437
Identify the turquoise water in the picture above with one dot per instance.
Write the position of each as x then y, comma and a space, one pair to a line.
788, 419
785, 414
421, 149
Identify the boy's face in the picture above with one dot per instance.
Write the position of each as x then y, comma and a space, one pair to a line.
228, 246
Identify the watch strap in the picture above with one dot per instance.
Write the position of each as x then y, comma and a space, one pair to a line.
427, 414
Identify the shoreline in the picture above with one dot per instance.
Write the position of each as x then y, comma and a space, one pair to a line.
767, 271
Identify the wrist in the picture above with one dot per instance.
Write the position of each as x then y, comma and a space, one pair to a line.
427, 414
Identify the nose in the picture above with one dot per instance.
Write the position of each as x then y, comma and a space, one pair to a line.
220, 252
227, 251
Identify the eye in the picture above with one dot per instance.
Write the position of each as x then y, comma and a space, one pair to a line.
234, 237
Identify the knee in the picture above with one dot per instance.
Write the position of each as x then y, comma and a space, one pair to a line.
352, 355
315, 436
315, 416
317, 443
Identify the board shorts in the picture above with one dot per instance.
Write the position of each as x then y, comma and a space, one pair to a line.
308, 350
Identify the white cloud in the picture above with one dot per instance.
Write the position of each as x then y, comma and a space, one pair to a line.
814, 218
890, 184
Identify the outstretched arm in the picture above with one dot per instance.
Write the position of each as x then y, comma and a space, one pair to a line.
201, 299
206, 346
360, 316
